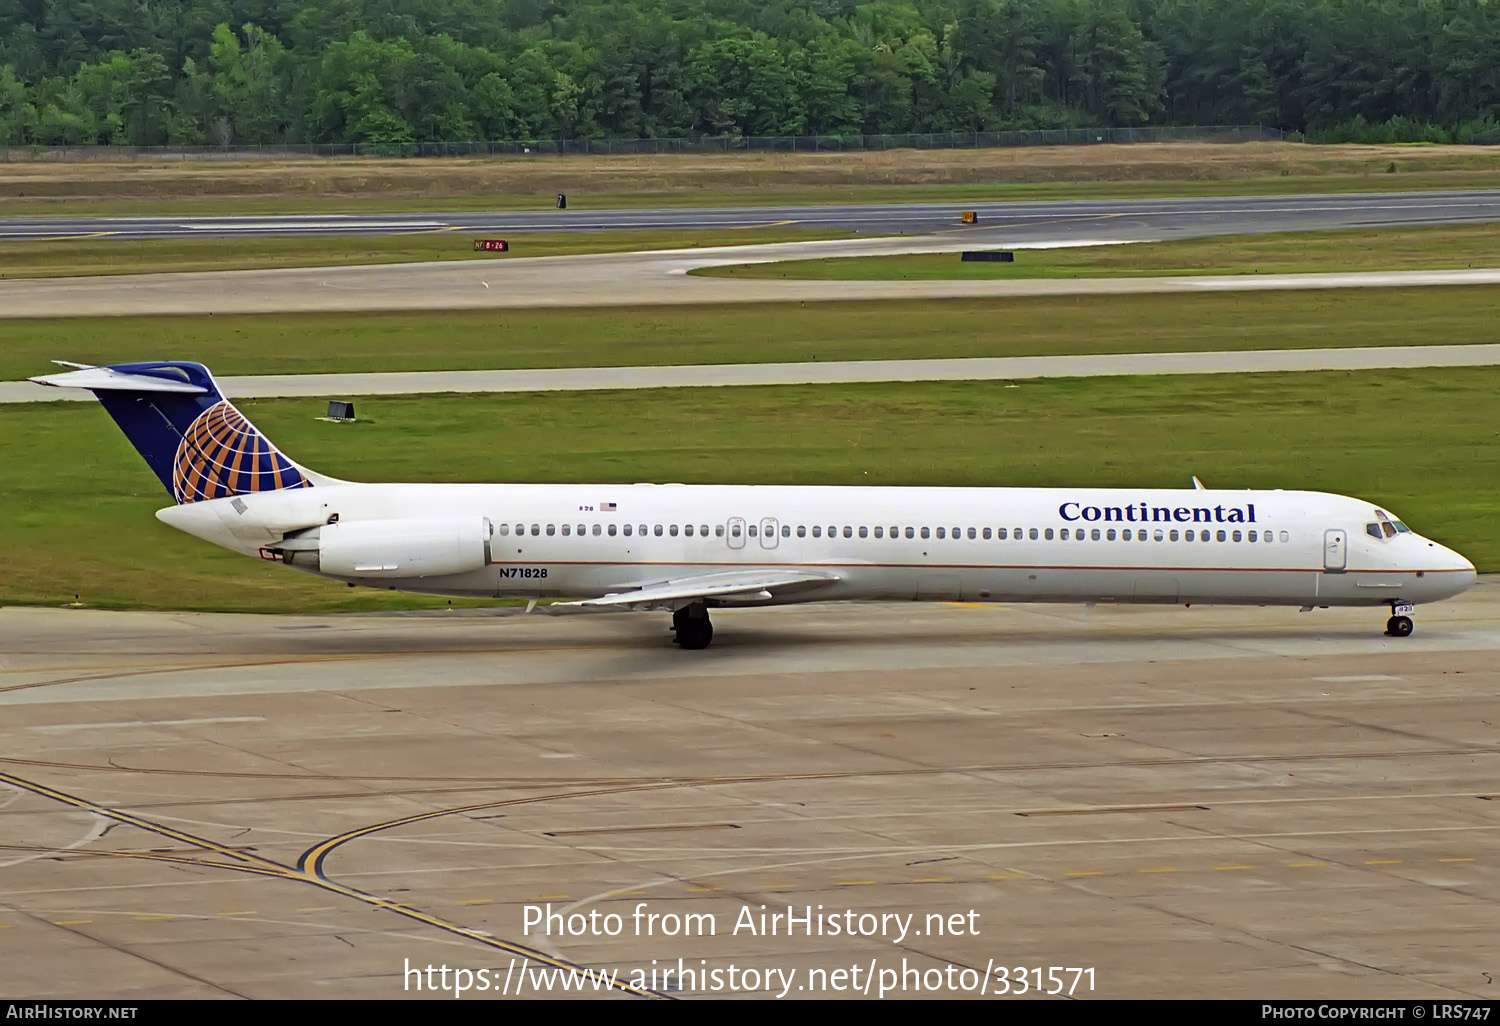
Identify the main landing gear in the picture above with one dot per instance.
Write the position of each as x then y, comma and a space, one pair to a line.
691, 624
1399, 625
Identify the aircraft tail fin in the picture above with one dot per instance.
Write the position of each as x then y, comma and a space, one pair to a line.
194, 439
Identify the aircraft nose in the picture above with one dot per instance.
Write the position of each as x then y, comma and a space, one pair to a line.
1460, 570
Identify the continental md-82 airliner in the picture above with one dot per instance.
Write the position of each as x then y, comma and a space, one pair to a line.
692, 548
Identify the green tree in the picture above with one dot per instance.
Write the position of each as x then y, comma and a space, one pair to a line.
17, 112
823, 74
1116, 68
743, 86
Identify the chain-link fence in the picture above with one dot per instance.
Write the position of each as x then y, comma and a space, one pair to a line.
714, 144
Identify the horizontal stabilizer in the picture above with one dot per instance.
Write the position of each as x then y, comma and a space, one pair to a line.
107, 379
746, 583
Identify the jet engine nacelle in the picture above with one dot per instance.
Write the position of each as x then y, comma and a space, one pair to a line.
405, 548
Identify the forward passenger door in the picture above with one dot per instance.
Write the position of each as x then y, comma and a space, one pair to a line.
1335, 552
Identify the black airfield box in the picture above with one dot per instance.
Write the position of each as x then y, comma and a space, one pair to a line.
993, 255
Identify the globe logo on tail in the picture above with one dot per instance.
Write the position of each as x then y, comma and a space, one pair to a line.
223, 454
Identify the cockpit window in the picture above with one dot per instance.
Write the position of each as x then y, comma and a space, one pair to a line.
1401, 528
1373, 530
1390, 532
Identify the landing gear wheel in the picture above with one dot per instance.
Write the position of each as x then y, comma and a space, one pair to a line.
692, 626
1399, 627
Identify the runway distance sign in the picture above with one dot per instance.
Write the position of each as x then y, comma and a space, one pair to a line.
491, 246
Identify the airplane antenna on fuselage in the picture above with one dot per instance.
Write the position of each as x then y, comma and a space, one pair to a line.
1198, 484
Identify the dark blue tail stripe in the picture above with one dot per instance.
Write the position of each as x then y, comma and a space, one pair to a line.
200, 446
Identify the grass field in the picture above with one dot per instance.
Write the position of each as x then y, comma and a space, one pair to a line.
251, 186
466, 340
68, 257
77, 516
1375, 249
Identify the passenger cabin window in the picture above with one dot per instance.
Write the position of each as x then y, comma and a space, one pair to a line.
986, 534
940, 533
671, 529
1063, 534
817, 530
657, 531
718, 530
880, 532
734, 531
1048, 534
1125, 534
972, 534
1033, 534
1250, 536
925, 533
786, 532
1285, 536
1222, 535
1109, 535
864, 532
688, 530
1094, 533
504, 530
1235, 536
703, 530
566, 530
1001, 533
801, 531
536, 530
611, 530
627, 530
848, 532
911, 532
753, 530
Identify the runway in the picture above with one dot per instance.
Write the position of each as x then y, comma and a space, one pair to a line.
1153, 218
578, 379
1226, 803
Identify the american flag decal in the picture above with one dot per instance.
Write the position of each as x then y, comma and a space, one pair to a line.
606, 507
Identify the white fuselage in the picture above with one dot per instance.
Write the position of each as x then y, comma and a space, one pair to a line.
973, 544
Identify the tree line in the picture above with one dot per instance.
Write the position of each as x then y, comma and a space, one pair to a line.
220, 72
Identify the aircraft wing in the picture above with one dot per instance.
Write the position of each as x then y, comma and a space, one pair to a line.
758, 584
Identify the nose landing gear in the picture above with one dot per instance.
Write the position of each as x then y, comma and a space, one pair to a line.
692, 626
1399, 625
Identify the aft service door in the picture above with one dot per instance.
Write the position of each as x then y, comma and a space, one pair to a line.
769, 533
736, 533
1335, 559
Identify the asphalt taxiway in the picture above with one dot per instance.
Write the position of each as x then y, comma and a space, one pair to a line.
658, 278
578, 379
1210, 802
661, 277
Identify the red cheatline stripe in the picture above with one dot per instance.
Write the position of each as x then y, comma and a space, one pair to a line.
751, 564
